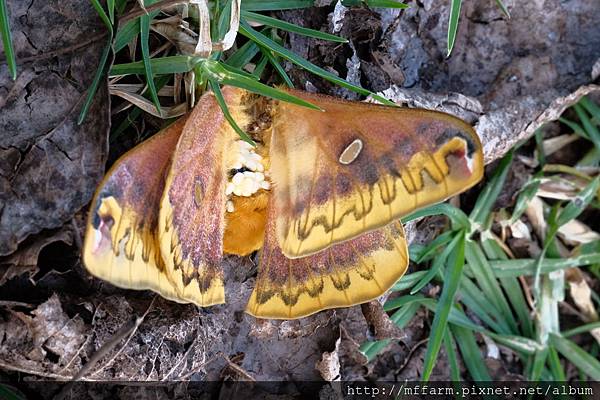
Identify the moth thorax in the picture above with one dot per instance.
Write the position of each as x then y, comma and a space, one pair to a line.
246, 174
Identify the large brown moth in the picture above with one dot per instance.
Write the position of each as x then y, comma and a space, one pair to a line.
319, 197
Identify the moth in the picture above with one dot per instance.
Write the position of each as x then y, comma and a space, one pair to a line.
319, 197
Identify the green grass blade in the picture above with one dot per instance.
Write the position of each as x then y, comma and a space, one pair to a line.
110, 4
453, 24
511, 287
479, 265
500, 4
526, 266
558, 373
581, 329
103, 16
592, 131
120, 6
160, 66
578, 129
407, 281
479, 304
591, 107
537, 366
471, 354
278, 68
264, 41
243, 55
517, 343
228, 68
492, 189
576, 355
430, 250
458, 218
260, 67
275, 5
440, 321
437, 264
574, 208
220, 73
404, 300
9, 50
144, 37
371, 349
279, 24
456, 316
450, 347
539, 146
525, 195
129, 30
221, 100
95, 82
401, 318
9, 393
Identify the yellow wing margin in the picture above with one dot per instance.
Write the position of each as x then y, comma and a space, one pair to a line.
121, 239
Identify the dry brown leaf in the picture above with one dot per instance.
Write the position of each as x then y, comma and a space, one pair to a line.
576, 232
25, 259
556, 143
149, 107
535, 215
519, 230
559, 188
49, 164
582, 296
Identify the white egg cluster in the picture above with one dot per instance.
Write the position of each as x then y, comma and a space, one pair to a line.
246, 157
248, 182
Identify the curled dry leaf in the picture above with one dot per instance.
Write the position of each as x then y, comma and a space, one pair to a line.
50, 165
519, 230
576, 232
558, 188
48, 341
556, 143
582, 296
535, 214
25, 259
329, 364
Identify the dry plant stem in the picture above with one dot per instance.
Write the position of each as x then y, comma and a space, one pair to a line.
8, 303
239, 370
527, 292
204, 44
178, 363
138, 12
128, 330
85, 342
49, 375
188, 374
410, 354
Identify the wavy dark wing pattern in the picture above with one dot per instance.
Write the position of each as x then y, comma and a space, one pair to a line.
345, 274
121, 240
357, 167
